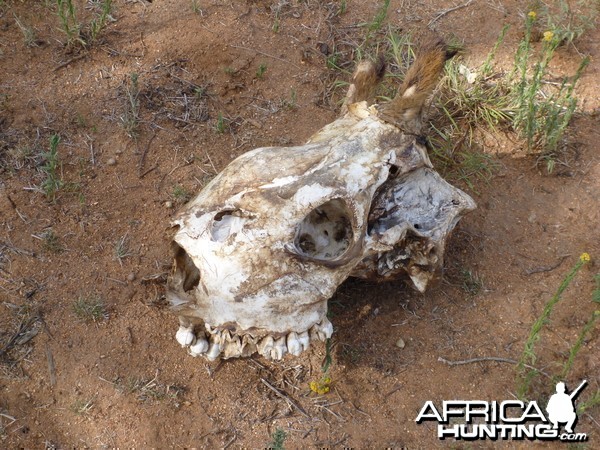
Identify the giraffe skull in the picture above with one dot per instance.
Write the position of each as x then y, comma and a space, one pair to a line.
260, 250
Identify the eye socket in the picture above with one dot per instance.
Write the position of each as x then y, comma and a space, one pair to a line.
326, 232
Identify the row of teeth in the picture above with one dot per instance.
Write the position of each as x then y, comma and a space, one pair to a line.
213, 344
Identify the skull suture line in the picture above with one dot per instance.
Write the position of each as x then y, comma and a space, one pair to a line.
267, 242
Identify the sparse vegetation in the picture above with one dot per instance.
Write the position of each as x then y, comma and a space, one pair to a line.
260, 72
69, 23
147, 390
477, 102
275, 26
51, 242
52, 180
472, 283
585, 331
292, 101
529, 357
130, 119
90, 308
542, 112
29, 35
77, 32
181, 194
82, 407
333, 61
122, 250
277, 440
593, 400
220, 126
196, 7
99, 21
350, 353
322, 386
571, 21
378, 20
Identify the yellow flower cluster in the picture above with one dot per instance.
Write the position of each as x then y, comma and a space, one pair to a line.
532, 15
320, 387
548, 35
585, 257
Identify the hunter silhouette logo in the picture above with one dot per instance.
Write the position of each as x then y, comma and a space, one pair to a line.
509, 419
561, 407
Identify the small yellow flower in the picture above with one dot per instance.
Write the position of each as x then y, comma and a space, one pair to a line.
548, 35
320, 387
585, 257
532, 15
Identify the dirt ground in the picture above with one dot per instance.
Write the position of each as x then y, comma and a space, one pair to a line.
123, 381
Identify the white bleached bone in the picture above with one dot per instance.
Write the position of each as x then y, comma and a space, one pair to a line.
260, 250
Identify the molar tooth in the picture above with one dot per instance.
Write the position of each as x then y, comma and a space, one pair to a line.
279, 349
304, 340
248, 345
293, 344
214, 349
297, 343
265, 346
226, 336
323, 330
185, 336
232, 347
199, 347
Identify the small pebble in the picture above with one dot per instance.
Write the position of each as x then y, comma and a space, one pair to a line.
111, 161
131, 276
169, 204
400, 343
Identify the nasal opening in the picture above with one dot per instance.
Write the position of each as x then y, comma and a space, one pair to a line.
185, 272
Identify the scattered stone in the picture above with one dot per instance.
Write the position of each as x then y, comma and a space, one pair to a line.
131, 277
169, 204
400, 343
111, 161
254, 123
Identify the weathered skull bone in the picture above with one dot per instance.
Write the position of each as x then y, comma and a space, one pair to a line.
267, 242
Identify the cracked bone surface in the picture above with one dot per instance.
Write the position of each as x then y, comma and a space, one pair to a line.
260, 250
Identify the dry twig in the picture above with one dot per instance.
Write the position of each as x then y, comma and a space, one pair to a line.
51, 366
446, 11
284, 396
267, 55
546, 268
490, 358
